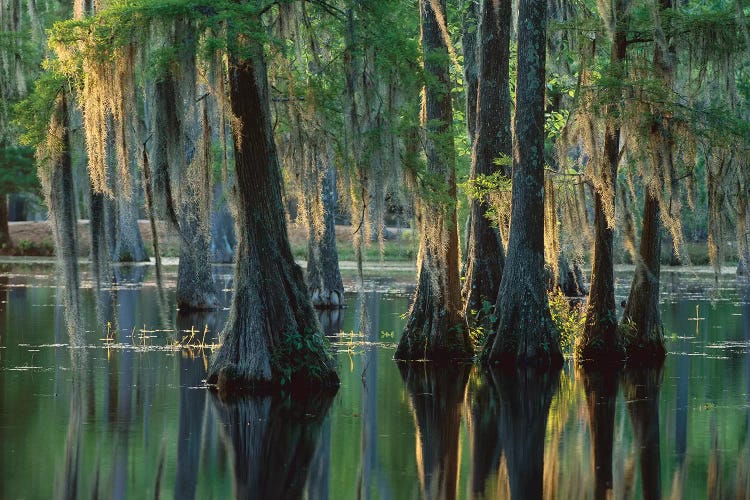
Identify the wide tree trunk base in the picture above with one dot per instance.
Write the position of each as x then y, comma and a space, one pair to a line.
513, 346
649, 353
433, 333
600, 345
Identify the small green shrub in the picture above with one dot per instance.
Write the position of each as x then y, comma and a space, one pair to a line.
568, 317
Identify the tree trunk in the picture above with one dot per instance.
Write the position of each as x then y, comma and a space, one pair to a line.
271, 442
601, 396
437, 395
525, 334
323, 274
601, 342
223, 239
644, 337
272, 336
469, 30
486, 257
5, 241
98, 234
524, 397
436, 329
641, 388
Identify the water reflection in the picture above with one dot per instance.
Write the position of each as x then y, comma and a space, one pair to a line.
601, 395
272, 440
641, 388
436, 394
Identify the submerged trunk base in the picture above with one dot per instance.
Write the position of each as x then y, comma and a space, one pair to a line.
600, 345
432, 332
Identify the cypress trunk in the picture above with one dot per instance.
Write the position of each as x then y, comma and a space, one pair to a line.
437, 395
98, 234
323, 274
436, 328
601, 396
471, 69
493, 138
644, 336
601, 342
272, 336
4, 230
525, 334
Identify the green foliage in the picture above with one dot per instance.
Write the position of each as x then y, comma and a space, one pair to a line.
32, 115
481, 323
298, 356
569, 318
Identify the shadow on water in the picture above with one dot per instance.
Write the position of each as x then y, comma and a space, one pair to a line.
436, 394
272, 440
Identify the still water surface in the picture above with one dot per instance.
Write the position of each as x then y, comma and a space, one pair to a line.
127, 416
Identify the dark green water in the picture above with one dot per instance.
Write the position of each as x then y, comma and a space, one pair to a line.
126, 418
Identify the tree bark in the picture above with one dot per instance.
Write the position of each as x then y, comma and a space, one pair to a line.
272, 334
323, 273
486, 254
5, 241
469, 31
601, 396
525, 334
437, 395
436, 329
644, 336
601, 342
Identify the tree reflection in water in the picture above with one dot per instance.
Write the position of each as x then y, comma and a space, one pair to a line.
601, 394
641, 388
509, 412
436, 394
271, 440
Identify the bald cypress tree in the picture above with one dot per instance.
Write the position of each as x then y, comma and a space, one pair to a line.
525, 334
272, 335
436, 329
492, 139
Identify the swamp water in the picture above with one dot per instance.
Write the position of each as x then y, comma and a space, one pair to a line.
125, 414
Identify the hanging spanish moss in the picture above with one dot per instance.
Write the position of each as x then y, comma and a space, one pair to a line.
56, 176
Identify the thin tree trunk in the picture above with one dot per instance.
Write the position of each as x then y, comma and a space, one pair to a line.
323, 274
601, 342
148, 191
493, 138
98, 235
4, 229
436, 328
525, 333
272, 334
